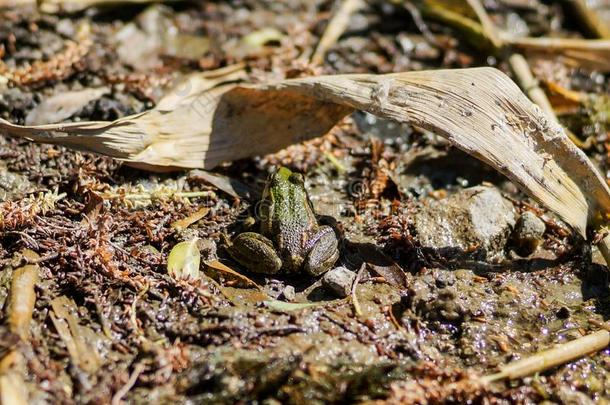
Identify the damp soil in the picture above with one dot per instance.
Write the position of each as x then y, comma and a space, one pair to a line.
436, 304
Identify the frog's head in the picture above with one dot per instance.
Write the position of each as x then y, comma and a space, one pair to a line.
284, 184
283, 177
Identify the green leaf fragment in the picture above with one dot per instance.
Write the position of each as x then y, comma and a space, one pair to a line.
183, 261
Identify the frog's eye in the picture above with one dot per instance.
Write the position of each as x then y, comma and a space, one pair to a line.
297, 178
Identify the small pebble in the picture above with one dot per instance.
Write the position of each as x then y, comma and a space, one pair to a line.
339, 280
289, 293
528, 233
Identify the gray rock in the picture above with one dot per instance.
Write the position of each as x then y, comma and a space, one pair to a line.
339, 280
13, 185
289, 293
477, 217
528, 233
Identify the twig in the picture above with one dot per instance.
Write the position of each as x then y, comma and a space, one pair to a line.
556, 356
488, 26
472, 31
591, 53
134, 309
157, 195
336, 27
420, 23
355, 301
335, 162
118, 396
557, 44
529, 84
591, 21
521, 69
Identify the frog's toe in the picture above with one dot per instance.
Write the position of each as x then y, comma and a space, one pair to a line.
322, 255
256, 253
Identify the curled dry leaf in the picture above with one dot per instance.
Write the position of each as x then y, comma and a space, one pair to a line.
63, 105
184, 259
210, 120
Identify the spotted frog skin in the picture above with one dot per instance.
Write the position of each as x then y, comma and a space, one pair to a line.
290, 238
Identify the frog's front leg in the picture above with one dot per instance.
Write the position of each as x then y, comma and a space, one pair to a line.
324, 252
255, 252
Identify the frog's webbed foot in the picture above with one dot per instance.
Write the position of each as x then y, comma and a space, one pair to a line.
324, 252
255, 252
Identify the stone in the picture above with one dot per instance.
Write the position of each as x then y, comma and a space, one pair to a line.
339, 280
474, 219
13, 185
528, 233
289, 293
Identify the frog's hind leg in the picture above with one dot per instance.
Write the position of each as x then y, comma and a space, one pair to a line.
324, 252
256, 253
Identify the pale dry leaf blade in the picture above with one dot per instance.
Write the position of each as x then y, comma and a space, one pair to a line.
479, 110
482, 112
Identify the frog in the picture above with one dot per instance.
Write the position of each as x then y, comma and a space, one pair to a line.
290, 239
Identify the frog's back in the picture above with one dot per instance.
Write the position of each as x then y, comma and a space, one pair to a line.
294, 223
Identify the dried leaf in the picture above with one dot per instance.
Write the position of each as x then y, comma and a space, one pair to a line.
220, 272
479, 110
63, 106
183, 261
382, 265
191, 219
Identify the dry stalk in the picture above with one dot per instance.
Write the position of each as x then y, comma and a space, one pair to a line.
555, 356
22, 299
591, 21
336, 27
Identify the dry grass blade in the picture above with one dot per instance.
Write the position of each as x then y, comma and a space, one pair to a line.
590, 19
336, 26
479, 110
553, 357
591, 53
79, 340
22, 299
